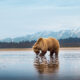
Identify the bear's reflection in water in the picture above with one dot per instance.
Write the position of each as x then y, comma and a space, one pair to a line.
45, 66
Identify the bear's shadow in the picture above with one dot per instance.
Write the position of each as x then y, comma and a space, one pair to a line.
44, 66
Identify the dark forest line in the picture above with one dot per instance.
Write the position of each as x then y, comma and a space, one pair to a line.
69, 42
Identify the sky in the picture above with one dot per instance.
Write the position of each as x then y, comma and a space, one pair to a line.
22, 17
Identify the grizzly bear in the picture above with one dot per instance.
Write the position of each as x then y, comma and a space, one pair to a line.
46, 44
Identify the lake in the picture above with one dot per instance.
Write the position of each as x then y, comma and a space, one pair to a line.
23, 64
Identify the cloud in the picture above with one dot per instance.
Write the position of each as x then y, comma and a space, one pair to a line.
60, 3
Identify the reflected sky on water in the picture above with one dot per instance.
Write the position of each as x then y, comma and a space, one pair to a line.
25, 65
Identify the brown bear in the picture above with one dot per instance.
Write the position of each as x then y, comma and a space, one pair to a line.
46, 44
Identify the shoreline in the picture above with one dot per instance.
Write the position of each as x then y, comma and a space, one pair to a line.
15, 49
28, 49
70, 48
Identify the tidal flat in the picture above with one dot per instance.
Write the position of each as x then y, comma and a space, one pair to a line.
20, 64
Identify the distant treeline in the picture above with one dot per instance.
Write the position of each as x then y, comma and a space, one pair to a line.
26, 44
70, 42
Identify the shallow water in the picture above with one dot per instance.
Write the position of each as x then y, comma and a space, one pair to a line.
21, 65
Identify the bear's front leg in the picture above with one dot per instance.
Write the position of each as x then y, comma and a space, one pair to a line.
42, 53
37, 54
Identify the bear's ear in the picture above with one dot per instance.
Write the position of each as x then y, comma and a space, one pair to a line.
40, 39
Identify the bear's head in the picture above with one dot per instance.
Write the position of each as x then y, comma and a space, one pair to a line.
36, 50
37, 46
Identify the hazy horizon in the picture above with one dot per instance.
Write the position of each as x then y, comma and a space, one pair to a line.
20, 17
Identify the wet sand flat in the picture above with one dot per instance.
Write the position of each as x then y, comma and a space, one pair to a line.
28, 49
22, 64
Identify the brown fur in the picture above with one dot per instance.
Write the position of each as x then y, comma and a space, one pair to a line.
46, 44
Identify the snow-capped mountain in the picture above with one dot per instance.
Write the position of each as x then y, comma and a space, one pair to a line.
59, 35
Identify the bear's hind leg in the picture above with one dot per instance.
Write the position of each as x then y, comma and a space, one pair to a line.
51, 53
56, 54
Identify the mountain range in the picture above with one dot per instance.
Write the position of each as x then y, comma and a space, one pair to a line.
63, 34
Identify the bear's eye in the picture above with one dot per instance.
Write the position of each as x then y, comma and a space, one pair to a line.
35, 47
